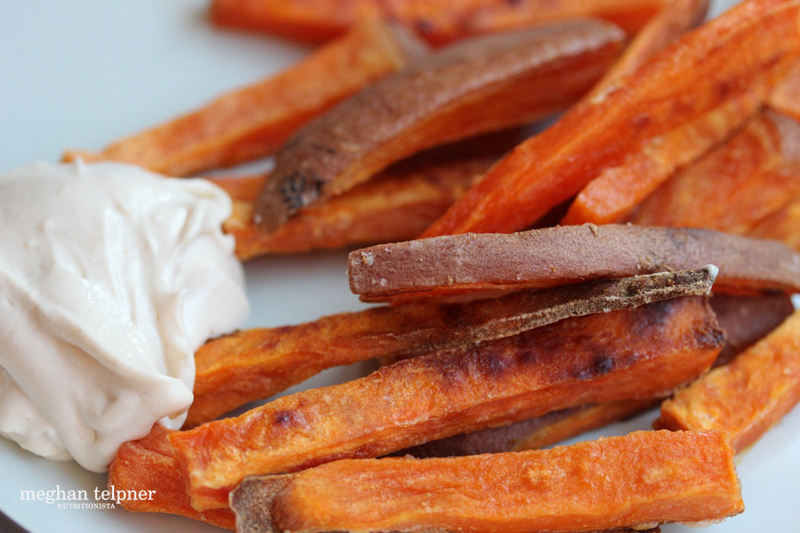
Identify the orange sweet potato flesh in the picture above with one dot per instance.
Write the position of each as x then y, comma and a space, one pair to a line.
593, 359
396, 205
746, 397
752, 175
440, 266
643, 478
316, 21
485, 84
148, 464
785, 97
783, 225
735, 56
256, 120
250, 365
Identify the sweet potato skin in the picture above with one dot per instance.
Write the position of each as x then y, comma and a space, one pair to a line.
644, 477
752, 175
439, 23
556, 256
148, 464
686, 80
256, 120
746, 397
482, 85
570, 363
255, 364
532, 434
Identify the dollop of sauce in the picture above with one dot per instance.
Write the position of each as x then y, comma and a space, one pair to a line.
110, 278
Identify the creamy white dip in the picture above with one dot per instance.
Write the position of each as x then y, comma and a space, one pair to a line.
110, 278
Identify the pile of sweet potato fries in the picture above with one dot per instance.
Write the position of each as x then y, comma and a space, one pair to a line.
558, 282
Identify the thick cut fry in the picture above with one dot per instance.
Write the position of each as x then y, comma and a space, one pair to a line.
535, 433
643, 478
482, 85
745, 320
742, 50
566, 254
598, 358
396, 205
316, 21
746, 397
783, 225
255, 121
785, 98
148, 464
251, 365
675, 18
754, 174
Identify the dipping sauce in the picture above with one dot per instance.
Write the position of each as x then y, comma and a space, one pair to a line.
110, 278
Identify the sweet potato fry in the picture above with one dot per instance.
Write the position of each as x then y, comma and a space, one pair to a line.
316, 21
746, 397
535, 433
783, 225
675, 18
482, 85
646, 477
148, 464
754, 174
396, 205
255, 364
612, 195
255, 121
740, 52
785, 98
592, 359
566, 254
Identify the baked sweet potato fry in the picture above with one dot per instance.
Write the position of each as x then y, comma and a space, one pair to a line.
745, 320
396, 205
481, 85
740, 52
746, 397
148, 464
316, 21
673, 20
752, 175
647, 477
455, 264
598, 358
255, 121
783, 225
251, 365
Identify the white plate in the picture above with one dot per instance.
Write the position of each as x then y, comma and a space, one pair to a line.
79, 73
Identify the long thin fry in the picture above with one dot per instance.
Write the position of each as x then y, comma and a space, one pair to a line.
255, 121
455, 264
783, 225
749, 46
255, 364
646, 477
785, 98
746, 397
752, 175
316, 21
593, 359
